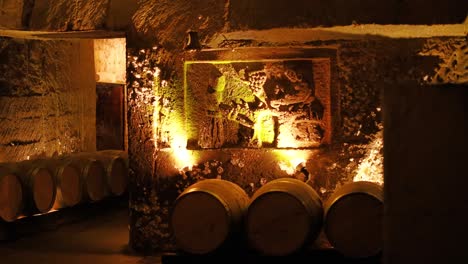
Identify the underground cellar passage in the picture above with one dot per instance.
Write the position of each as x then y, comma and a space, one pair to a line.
234, 131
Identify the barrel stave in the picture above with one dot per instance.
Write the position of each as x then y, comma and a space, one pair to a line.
38, 186
283, 215
354, 219
93, 176
11, 195
207, 215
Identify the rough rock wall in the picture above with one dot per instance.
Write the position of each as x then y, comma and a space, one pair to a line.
15, 14
155, 76
119, 14
155, 92
68, 15
77, 15
166, 21
263, 14
47, 98
146, 17
454, 66
364, 66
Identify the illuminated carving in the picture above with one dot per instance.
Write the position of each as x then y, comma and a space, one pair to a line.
264, 103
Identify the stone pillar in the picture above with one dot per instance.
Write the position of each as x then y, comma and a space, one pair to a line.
426, 154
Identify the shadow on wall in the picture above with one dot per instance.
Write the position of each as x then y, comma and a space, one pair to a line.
264, 14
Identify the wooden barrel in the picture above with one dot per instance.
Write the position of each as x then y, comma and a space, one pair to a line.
11, 195
207, 215
353, 219
68, 181
39, 186
283, 215
115, 152
116, 166
93, 176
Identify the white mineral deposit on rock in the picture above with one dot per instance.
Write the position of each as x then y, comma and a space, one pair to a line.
371, 167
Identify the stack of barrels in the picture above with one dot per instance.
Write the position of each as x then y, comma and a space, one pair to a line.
281, 218
38, 186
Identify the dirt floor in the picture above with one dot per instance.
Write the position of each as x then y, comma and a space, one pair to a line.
100, 237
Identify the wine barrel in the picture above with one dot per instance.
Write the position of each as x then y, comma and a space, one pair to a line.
115, 152
207, 215
353, 219
93, 176
68, 181
11, 195
39, 186
283, 215
116, 167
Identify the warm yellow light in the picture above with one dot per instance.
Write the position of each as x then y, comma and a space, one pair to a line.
109, 60
264, 127
183, 158
286, 139
289, 159
371, 167
178, 141
157, 106
176, 138
51, 211
286, 167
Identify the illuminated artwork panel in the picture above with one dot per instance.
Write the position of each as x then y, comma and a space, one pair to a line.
255, 104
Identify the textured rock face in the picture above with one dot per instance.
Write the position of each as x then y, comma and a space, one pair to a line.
454, 66
154, 16
15, 14
47, 98
364, 67
155, 86
263, 14
64, 15
119, 14
158, 110
167, 21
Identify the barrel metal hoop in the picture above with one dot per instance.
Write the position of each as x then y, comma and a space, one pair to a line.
282, 191
303, 202
218, 198
333, 202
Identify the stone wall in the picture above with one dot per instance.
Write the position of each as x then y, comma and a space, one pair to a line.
367, 61
364, 66
264, 14
47, 98
68, 15
15, 14
146, 16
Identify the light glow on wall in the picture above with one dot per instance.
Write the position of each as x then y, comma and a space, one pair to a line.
277, 103
264, 127
109, 60
289, 160
371, 167
182, 156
